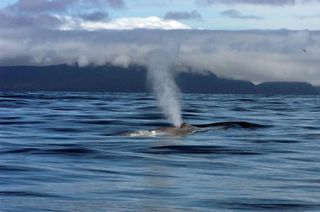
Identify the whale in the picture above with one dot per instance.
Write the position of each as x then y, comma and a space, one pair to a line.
188, 129
182, 130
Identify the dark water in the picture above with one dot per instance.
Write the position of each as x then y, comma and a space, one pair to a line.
56, 154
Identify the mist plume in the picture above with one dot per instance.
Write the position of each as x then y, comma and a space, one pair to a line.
160, 76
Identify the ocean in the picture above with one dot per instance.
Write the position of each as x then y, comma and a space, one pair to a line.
66, 152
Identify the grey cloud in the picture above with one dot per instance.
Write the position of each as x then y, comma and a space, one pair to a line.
314, 16
95, 16
251, 55
9, 20
183, 15
49, 14
238, 15
47, 21
42, 5
116, 3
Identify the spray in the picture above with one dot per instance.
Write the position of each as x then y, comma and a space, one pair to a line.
160, 64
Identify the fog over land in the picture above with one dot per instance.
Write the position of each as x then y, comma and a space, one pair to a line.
258, 56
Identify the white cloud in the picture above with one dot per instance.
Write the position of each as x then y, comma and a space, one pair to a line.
127, 23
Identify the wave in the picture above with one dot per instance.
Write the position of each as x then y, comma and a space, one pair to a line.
232, 124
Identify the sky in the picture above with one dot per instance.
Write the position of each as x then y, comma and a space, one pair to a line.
256, 40
195, 14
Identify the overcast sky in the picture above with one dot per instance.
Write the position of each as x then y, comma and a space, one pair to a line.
257, 40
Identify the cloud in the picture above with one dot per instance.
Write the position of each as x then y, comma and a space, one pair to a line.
313, 16
42, 5
41, 32
95, 16
254, 2
40, 16
115, 3
250, 55
56, 14
238, 15
9, 20
124, 24
183, 15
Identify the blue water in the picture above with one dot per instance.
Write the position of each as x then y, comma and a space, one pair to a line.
63, 152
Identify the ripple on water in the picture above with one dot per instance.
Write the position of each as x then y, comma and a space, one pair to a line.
196, 149
63, 152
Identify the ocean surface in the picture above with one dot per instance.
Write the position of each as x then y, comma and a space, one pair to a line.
66, 152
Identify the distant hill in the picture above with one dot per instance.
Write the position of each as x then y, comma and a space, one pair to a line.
298, 88
210, 83
132, 79
73, 78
